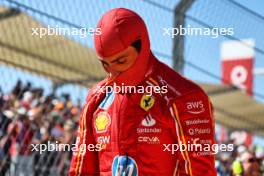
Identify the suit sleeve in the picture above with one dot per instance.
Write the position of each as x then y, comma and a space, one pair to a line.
194, 120
84, 161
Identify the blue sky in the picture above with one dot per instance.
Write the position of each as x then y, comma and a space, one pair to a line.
203, 51
200, 50
254, 5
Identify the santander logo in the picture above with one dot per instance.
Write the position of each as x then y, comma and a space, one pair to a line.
195, 107
148, 121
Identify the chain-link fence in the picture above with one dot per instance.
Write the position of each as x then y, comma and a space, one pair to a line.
47, 62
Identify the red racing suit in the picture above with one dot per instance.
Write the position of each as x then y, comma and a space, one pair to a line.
139, 134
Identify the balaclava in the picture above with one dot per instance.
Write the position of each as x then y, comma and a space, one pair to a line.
121, 27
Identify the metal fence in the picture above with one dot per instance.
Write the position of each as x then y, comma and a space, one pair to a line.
41, 100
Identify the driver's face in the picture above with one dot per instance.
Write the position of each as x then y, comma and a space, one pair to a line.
120, 62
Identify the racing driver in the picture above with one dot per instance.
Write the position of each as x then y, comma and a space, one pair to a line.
138, 132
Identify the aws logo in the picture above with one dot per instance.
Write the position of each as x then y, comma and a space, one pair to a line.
102, 122
195, 107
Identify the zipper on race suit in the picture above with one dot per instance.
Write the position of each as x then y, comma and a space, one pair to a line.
118, 119
126, 163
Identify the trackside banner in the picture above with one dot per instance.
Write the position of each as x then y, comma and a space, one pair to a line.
237, 59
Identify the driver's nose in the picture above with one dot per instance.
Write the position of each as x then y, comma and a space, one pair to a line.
110, 69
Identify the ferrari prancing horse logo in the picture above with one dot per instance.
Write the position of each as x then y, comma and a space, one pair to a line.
146, 102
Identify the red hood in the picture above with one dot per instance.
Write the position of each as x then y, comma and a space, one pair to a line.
120, 28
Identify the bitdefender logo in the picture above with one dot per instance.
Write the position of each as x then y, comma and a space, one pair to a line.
195, 107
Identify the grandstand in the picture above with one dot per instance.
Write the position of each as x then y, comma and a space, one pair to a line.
50, 110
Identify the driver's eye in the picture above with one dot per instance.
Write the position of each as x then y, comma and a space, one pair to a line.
105, 64
121, 61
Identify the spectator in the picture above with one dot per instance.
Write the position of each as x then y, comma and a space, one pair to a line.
27, 117
250, 164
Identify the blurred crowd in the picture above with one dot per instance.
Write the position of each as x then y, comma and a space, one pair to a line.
28, 117
244, 160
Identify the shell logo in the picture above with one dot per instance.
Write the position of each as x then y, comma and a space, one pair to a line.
102, 122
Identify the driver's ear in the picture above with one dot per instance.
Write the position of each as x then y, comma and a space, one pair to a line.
137, 45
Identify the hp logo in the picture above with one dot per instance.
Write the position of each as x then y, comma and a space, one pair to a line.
124, 166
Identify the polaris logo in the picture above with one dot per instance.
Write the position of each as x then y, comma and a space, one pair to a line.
199, 131
195, 107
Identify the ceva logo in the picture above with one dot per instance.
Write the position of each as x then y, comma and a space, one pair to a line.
195, 107
149, 140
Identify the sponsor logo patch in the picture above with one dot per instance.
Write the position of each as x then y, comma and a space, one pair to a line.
148, 130
148, 140
148, 121
195, 131
202, 141
102, 122
108, 100
146, 102
103, 139
195, 107
196, 121
125, 166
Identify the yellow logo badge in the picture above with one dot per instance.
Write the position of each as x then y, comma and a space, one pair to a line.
102, 122
146, 102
